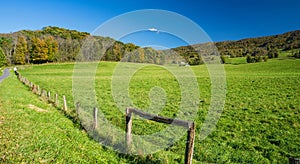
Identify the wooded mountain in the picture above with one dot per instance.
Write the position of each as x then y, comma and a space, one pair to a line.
54, 44
268, 46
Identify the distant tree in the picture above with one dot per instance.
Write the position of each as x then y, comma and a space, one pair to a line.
118, 50
3, 61
296, 54
258, 58
141, 54
7, 45
20, 51
129, 47
223, 59
273, 54
249, 59
52, 47
38, 51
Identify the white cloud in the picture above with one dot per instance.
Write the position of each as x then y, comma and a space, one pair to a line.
153, 29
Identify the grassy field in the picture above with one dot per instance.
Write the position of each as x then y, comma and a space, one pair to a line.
35, 132
259, 124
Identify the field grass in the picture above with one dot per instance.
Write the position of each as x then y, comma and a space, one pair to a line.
259, 124
32, 131
235, 61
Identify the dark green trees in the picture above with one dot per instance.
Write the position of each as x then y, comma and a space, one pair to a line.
296, 54
223, 59
273, 54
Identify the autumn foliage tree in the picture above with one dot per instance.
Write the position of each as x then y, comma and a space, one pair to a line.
52, 48
38, 51
54, 44
20, 51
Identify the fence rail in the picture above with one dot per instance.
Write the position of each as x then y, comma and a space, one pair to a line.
186, 124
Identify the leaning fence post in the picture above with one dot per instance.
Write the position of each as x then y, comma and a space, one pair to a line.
95, 119
26, 82
128, 138
65, 103
42, 93
190, 143
33, 88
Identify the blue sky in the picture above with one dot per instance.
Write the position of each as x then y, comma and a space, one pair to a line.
221, 20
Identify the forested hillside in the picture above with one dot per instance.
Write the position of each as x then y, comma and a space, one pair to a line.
262, 47
54, 44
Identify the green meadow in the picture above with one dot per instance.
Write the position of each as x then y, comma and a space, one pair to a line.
260, 122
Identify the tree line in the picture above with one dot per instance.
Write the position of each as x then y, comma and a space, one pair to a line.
255, 49
54, 44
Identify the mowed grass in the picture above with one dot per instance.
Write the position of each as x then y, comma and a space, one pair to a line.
259, 124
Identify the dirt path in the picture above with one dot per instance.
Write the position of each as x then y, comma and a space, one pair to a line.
5, 74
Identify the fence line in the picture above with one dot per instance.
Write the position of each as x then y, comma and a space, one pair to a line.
186, 124
129, 111
46, 95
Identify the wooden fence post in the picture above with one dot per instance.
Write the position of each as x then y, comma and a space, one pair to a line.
56, 100
190, 144
38, 90
186, 124
42, 93
65, 103
95, 119
49, 96
33, 88
26, 82
128, 138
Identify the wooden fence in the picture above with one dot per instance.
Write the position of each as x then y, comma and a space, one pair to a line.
46, 95
186, 124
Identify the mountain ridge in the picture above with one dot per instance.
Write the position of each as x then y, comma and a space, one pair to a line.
55, 44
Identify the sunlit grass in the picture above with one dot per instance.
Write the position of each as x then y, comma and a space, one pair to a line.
259, 124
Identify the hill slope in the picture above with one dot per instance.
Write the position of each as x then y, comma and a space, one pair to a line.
54, 44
